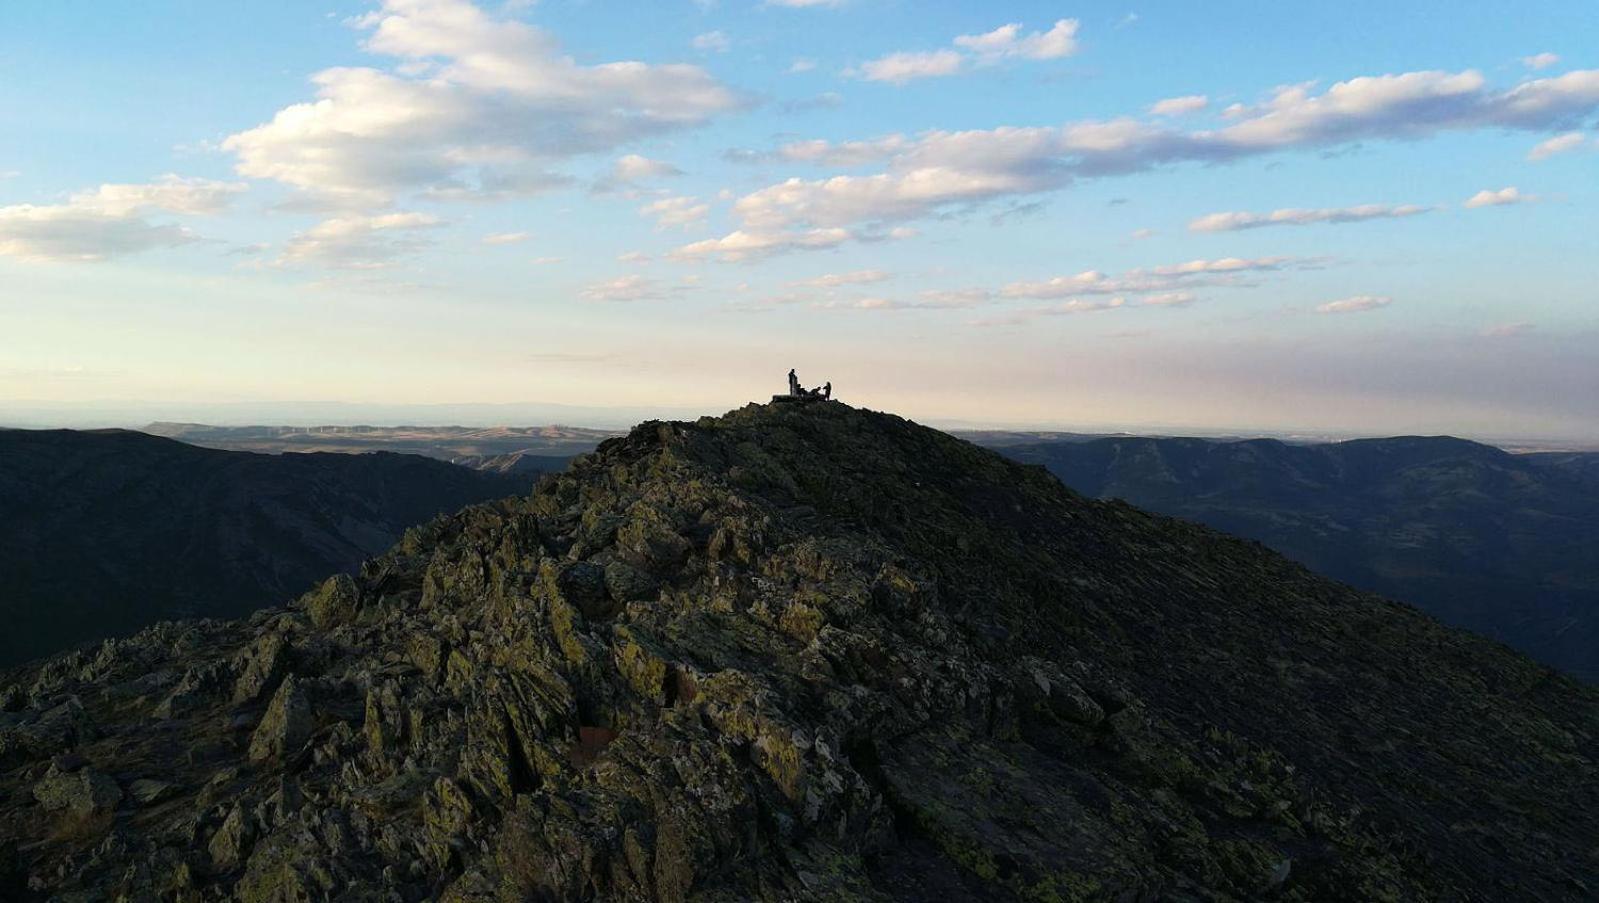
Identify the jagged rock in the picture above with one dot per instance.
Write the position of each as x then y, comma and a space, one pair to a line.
336, 601
148, 792
82, 792
285, 726
260, 667
814, 653
228, 844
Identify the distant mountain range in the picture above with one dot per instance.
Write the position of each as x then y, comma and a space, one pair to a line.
1503, 544
499, 448
104, 532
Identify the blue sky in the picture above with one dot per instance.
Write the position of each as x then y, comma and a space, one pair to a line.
1369, 218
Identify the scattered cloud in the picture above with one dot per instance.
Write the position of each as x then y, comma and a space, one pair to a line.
937, 171
676, 212
1559, 144
356, 242
626, 288
1008, 41
1354, 304
854, 277
506, 238
900, 68
1167, 299
1294, 216
801, 64
1163, 283
546, 261
1490, 198
1540, 60
739, 246
112, 220
1178, 106
479, 106
633, 257
712, 42
630, 171
1141, 234
1003, 43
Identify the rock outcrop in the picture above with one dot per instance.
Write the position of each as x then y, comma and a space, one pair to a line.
808, 653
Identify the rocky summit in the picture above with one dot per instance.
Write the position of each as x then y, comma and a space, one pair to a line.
803, 652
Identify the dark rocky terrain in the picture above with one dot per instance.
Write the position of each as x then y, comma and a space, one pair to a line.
1503, 544
804, 653
104, 532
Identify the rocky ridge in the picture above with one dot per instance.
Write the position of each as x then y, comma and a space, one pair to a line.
803, 653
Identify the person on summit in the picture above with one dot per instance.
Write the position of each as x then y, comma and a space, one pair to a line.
827, 391
793, 384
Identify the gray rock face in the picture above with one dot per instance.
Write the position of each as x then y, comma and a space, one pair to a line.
83, 792
809, 653
286, 725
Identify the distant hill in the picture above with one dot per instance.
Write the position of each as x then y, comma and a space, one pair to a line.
493, 447
1506, 545
804, 653
104, 532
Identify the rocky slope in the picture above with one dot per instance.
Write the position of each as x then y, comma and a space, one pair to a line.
804, 653
1502, 544
104, 532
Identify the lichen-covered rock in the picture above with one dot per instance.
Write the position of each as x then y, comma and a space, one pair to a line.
82, 791
286, 725
808, 653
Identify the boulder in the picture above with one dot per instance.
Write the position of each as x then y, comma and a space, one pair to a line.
285, 727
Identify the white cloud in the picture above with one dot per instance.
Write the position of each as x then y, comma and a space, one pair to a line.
1167, 299
1491, 198
1354, 304
899, 68
1156, 280
937, 171
111, 220
1004, 42
357, 242
506, 238
739, 246
546, 261
624, 288
1294, 216
675, 212
1177, 106
802, 64
1559, 144
633, 257
1540, 60
804, 4
1008, 41
632, 169
479, 106
854, 277
712, 41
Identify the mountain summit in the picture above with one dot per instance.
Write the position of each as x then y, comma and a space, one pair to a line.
804, 652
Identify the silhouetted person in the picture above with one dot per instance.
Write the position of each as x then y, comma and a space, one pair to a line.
827, 390
793, 383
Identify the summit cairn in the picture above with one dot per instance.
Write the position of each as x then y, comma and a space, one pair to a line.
798, 393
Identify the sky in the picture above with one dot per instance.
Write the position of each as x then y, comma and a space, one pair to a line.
1363, 218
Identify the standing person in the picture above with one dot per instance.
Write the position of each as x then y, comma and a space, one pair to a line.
827, 390
793, 383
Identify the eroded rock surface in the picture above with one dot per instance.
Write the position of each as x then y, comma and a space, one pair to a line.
805, 653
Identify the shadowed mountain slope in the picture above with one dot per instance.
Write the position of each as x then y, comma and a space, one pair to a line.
805, 653
104, 532
1506, 545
